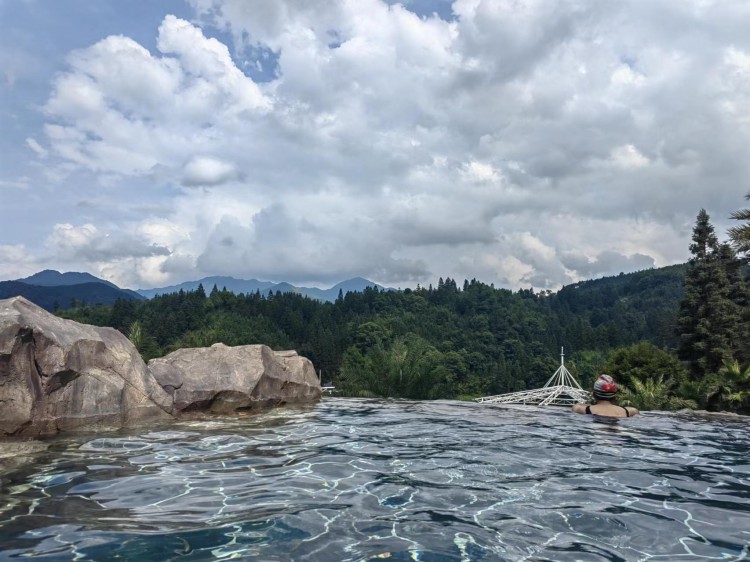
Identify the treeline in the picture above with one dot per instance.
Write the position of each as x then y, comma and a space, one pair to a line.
431, 342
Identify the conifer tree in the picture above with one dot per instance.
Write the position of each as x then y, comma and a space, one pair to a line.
740, 235
739, 293
708, 322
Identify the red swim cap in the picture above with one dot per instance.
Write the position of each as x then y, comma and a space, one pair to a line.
605, 387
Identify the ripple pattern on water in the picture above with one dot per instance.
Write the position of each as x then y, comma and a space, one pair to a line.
372, 479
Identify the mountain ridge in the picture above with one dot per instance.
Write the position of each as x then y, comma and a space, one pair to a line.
54, 278
48, 290
57, 297
237, 286
80, 286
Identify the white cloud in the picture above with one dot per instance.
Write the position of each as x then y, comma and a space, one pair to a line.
512, 270
86, 243
625, 76
628, 156
733, 83
606, 263
17, 262
17, 183
36, 147
477, 171
204, 170
524, 142
162, 232
535, 247
127, 111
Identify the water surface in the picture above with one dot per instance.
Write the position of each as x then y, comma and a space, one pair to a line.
372, 479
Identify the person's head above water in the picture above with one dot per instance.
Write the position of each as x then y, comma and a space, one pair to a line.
605, 388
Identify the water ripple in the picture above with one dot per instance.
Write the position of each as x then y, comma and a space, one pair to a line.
371, 480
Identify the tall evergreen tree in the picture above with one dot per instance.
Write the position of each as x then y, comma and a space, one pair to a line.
739, 293
708, 322
740, 235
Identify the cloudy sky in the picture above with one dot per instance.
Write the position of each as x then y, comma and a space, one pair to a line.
519, 142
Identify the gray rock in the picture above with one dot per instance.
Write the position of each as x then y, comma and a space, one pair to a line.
58, 375
224, 380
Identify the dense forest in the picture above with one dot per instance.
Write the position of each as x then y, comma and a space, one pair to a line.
675, 336
469, 340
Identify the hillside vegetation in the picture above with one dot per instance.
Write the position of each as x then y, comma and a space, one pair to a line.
435, 342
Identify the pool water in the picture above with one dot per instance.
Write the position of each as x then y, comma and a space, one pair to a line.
351, 479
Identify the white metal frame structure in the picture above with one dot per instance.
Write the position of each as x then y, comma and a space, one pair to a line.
562, 389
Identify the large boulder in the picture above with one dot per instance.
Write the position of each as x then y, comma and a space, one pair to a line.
224, 380
59, 375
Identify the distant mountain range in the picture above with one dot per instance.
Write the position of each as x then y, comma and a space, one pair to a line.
249, 286
66, 296
51, 289
52, 278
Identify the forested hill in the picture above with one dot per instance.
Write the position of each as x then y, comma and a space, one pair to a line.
634, 306
471, 339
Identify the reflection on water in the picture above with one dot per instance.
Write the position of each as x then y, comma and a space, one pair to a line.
371, 479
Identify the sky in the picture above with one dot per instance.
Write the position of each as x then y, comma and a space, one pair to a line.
525, 143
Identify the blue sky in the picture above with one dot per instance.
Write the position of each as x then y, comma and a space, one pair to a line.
519, 142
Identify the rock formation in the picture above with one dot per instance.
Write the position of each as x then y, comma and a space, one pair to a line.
224, 380
59, 375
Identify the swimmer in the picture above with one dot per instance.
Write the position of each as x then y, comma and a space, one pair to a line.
605, 389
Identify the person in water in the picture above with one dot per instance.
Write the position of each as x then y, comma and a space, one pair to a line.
605, 389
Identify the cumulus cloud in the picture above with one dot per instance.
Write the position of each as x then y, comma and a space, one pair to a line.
606, 263
17, 262
281, 244
520, 142
126, 111
628, 156
86, 243
203, 170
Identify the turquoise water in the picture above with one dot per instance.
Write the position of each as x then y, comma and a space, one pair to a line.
371, 479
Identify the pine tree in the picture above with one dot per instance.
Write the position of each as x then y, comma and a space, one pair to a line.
740, 235
739, 293
708, 322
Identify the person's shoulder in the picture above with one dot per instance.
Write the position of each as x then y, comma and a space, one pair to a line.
632, 411
579, 408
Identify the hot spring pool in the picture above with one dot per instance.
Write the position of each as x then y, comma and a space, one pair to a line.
374, 479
